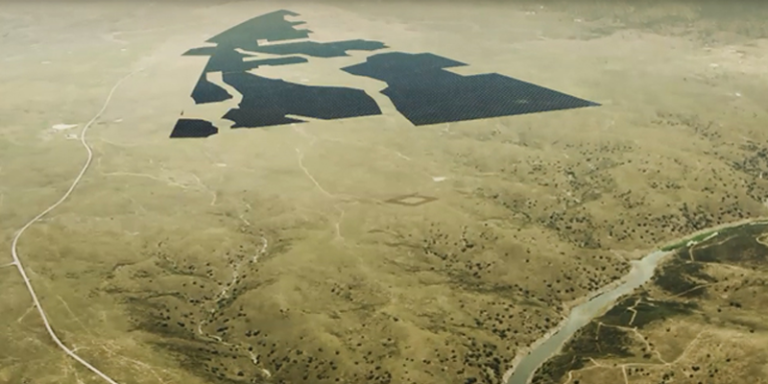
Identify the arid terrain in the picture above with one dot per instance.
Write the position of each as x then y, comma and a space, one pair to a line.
369, 250
702, 320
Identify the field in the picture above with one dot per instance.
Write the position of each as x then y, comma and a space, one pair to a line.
370, 250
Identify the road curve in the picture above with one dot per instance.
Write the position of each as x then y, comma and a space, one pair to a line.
20, 232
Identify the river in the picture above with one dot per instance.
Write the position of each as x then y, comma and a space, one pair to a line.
642, 271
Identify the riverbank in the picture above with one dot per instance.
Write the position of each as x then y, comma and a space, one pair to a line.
567, 308
637, 268
704, 233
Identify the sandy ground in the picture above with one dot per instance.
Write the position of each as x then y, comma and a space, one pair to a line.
271, 255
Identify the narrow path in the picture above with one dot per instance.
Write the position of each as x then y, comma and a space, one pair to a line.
15, 254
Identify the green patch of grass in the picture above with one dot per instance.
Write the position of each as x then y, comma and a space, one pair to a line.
592, 341
684, 243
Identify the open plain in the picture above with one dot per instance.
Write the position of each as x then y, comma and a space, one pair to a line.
370, 250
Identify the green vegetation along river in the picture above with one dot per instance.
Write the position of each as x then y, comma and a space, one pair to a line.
642, 271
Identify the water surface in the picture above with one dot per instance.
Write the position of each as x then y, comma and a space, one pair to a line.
641, 272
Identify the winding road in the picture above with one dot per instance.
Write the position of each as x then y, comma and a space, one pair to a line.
544, 349
14, 249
